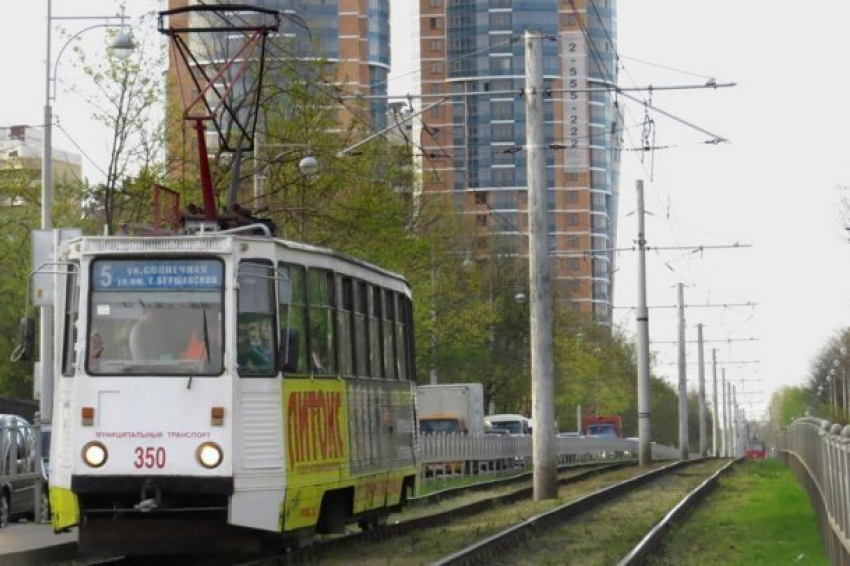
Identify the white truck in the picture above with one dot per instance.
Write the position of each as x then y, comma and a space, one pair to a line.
451, 408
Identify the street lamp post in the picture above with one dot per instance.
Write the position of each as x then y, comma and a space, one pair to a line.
121, 47
840, 363
833, 374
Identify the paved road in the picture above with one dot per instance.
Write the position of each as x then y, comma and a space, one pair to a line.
19, 539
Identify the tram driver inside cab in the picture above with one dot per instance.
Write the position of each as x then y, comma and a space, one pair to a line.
146, 336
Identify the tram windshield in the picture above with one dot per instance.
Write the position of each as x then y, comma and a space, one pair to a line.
155, 317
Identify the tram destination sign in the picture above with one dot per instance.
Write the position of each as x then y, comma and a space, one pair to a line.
157, 275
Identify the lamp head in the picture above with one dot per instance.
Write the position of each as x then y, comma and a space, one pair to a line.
308, 165
123, 45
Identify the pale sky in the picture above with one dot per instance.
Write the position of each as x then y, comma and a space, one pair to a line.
775, 186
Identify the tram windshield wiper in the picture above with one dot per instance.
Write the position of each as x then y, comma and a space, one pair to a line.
206, 337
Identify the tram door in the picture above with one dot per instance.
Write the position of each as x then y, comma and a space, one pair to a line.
259, 473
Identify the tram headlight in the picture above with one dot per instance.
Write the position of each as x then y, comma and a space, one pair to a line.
95, 454
209, 454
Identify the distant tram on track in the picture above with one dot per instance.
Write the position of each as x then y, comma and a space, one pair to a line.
755, 449
227, 388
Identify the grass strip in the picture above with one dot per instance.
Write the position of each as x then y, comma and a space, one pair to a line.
759, 514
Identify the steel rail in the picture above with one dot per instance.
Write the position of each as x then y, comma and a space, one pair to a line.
641, 551
312, 554
495, 546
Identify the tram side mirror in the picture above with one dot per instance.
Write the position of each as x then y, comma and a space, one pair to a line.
24, 351
289, 351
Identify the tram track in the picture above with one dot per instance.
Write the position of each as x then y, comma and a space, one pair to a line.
500, 523
591, 529
450, 526
497, 523
463, 498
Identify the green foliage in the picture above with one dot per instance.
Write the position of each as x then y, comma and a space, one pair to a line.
790, 403
595, 369
20, 214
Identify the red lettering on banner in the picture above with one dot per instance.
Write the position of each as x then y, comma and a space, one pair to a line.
314, 432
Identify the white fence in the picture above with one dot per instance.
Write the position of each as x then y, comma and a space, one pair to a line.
818, 452
452, 454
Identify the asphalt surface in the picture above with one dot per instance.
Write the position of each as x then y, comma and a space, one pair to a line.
24, 544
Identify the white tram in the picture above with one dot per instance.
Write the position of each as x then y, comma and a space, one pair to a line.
220, 386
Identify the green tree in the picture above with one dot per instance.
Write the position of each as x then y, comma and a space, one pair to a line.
126, 101
20, 214
828, 373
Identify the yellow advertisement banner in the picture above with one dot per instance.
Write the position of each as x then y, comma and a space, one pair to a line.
316, 419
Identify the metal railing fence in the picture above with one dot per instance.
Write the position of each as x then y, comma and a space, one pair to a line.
818, 453
443, 455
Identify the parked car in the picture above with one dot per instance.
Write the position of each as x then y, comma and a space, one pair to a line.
19, 474
46, 430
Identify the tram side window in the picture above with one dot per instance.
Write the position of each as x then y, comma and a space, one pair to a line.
69, 332
320, 286
389, 334
375, 307
256, 348
361, 343
293, 317
345, 309
401, 338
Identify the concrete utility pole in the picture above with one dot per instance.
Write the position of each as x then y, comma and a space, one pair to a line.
45, 312
703, 441
715, 425
733, 423
642, 319
545, 480
724, 446
684, 449
727, 416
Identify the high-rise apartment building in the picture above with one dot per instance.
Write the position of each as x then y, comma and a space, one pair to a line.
473, 145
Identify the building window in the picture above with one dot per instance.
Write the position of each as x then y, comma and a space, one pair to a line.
503, 177
481, 220
436, 23
572, 219
500, 21
572, 196
573, 241
481, 197
573, 263
435, 45
503, 132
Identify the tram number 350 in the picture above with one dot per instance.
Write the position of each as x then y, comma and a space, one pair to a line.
150, 457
